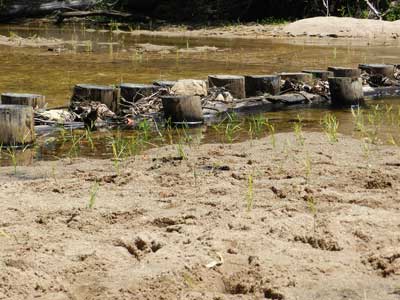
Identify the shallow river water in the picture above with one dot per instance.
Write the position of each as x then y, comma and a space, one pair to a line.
106, 57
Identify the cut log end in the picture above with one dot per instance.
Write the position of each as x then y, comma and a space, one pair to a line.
346, 91
257, 85
345, 72
16, 125
183, 109
231, 83
33, 100
107, 95
133, 92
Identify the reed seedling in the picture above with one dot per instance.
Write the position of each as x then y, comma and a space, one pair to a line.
75, 145
358, 118
12, 154
145, 128
231, 131
271, 131
312, 206
250, 193
89, 138
330, 125
93, 195
308, 167
298, 131
119, 146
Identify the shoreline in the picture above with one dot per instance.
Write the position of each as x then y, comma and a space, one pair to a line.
274, 220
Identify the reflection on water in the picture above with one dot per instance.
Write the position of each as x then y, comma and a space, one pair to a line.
104, 57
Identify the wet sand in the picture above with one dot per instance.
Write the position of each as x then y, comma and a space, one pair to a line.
242, 221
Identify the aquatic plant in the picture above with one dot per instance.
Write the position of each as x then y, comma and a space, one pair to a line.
119, 146
330, 125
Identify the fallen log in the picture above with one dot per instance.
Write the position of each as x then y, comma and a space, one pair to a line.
92, 13
36, 8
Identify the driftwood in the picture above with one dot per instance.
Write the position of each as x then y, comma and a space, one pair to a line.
92, 13
35, 8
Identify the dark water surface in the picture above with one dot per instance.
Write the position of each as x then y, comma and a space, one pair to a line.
105, 57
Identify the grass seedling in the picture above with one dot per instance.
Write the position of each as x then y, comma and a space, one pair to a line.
12, 154
308, 167
181, 151
230, 132
89, 138
312, 206
298, 130
119, 146
145, 128
75, 145
271, 131
93, 194
250, 193
330, 126
358, 118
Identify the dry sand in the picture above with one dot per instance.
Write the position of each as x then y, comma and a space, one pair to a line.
155, 227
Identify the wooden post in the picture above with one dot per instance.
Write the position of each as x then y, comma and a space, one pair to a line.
132, 92
16, 125
298, 77
319, 74
381, 69
344, 72
180, 109
164, 83
233, 84
107, 95
36, 101
257, 85
346, 91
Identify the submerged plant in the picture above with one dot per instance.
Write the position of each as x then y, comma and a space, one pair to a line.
330, 125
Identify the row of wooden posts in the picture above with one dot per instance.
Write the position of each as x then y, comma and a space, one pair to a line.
17, 114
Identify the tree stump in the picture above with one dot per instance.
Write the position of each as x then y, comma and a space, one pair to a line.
346, 91
16, 125
319, 74
107, 95
257, 85
36, 101
380, 69
180, 109
164, 83
133, 92
344, 72
233, 84
297, 77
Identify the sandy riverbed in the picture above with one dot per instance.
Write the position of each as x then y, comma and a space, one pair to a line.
324, 224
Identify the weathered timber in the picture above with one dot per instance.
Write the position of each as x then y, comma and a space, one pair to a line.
33, 8
16, 125
233, 84
319, 74
133, 92
345, 72
378, 69
257, 85
164, 83
92, 13
346, 91
33, 100
297, 77
107, 95
180, 109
